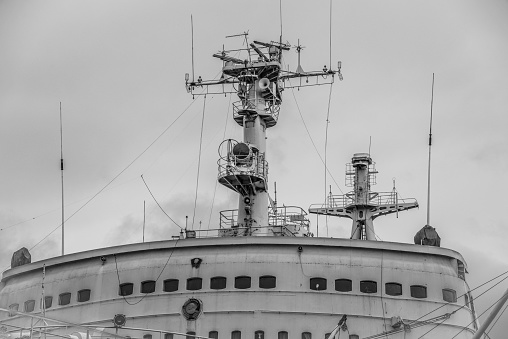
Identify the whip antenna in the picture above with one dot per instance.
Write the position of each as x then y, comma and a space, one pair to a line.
192, 46
430, 147
62, 175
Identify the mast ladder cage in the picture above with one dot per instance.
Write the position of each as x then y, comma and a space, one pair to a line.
255, 74
362, 205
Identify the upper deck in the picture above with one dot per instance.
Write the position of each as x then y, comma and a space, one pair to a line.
237, 241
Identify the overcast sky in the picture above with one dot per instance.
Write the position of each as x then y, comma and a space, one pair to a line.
118, 68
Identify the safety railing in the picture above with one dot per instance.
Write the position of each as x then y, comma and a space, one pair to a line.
255, 165
375, 199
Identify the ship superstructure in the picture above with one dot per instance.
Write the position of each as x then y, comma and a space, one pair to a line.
261, 274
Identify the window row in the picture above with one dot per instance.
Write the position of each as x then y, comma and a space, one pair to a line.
238, 335
391, 288
194, 284
47, 302
240, 282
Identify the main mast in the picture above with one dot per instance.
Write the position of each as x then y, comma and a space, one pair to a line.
258, 80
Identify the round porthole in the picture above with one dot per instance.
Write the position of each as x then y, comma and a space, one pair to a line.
191, 309
119, 320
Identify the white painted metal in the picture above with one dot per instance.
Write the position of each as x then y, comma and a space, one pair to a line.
291, 306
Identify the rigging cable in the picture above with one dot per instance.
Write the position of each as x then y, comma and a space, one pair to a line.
472, 299
148, 188
199, 161
417, 323
476, 318
163, 268
326, 145
312, 140
121, 172
495, 322
216, 181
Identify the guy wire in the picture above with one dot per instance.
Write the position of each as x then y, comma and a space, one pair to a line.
199, 161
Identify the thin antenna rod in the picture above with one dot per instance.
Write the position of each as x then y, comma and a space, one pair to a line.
144, 218
330, 34
280, 17
370, 143
62, 175
430, 147
192, 43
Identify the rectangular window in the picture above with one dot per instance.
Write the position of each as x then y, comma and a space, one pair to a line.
170, 336
170, 285
343, 285
194, 284
218, 283
213, 334
191, 336
48, 302
282, 335
449, 295
267, 281
83, 295
236, 335
393, 289
126, 289
306, 335
242, 282
148, 286
317, 284
368, 286
13, 307
64, 299
147, 336
259, 334
418, 291
29, 306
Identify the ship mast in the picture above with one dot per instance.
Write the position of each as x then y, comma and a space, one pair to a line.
362, 205
258, 80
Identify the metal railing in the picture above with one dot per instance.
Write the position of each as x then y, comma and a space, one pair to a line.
375, 199
233, 165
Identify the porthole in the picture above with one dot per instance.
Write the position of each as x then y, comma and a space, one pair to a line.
48, 302
343, 285
29, 306
194, 284
393, 288
64, 299
14, 308
83, 295
242, 282
449, 295
126, 289
170, 285
317, 284
418, 291
148, 286
368, 286
267, 281
218, 283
